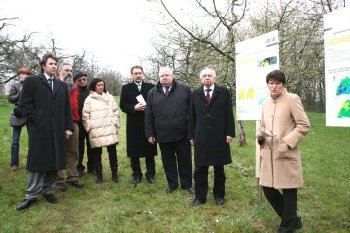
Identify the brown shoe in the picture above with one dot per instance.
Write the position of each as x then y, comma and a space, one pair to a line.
75, 184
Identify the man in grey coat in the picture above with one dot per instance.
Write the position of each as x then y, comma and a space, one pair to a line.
45, 103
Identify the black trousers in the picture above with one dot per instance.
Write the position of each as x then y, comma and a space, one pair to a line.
84, 136
112, 155
136, 168
177, 162
285, 204
201, 182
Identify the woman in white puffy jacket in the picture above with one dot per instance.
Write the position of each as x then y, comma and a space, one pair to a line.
101, 119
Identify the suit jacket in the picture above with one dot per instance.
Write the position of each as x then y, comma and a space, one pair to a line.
209, 124
136, 141
280, 157
49, 115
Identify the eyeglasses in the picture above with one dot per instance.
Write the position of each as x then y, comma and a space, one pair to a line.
82, 80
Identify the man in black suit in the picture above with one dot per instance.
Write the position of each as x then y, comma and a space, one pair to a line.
132, 102
45, 103
211, 129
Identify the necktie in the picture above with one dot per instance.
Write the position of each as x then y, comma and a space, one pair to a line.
139, 86
207, 96
166, 93
50, 80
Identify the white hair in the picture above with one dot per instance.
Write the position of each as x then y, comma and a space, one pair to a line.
207, 70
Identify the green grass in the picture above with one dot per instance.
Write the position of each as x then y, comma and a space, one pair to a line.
324, 202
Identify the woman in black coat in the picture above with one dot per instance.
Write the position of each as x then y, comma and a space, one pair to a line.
211, 129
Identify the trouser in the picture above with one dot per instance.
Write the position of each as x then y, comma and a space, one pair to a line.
16, 136
72, 156
177, 162
285, 204
84, 136
136, 168
40, 182
112, 155
201, 182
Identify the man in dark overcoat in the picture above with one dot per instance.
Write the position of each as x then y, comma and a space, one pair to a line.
211, 129
45, 103
166, 122
132, 102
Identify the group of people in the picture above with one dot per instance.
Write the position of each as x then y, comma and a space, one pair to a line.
62, 113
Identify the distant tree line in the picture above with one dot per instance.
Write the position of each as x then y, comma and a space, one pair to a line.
20, 52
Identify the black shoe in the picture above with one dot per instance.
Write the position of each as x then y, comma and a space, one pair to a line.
80, 173
115, 178
137, 180
50, 198
219, 200
61, 186
75, 184
170, 189
150, 180
92, 171
25, 204
298, 224
190, 190
197, 202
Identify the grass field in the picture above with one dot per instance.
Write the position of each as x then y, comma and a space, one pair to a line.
324, 202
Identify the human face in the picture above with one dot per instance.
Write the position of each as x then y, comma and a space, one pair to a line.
165, 78
64, 71
275, 88
22, 76
137, 75
82, 81
99, 88
208, 77
50, 68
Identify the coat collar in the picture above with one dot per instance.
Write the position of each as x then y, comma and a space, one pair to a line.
216, 92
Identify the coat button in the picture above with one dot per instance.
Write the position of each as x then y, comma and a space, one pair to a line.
208, 115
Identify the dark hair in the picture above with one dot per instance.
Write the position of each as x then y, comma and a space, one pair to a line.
136, 67
78, 75
93, 83
45, 58
277, 75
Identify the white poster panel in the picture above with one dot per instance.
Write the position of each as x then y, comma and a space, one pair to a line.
337, 67
254, 59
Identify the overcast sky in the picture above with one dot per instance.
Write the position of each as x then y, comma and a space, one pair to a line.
118, 33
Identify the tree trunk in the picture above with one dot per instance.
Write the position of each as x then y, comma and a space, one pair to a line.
241, 133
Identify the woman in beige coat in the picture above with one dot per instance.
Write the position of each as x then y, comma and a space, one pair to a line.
284, 123
101, 121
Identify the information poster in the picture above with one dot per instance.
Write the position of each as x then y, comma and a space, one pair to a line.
337, 67
254, 59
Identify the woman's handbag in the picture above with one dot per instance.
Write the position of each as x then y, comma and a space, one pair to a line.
17, 121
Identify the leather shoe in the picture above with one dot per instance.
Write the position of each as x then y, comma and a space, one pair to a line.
80, 173
75, 184
190, 190
298, 224
219, 200
197, 202
137, 180
25, 204
170, 189
61, 186
50, 198
150, 180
